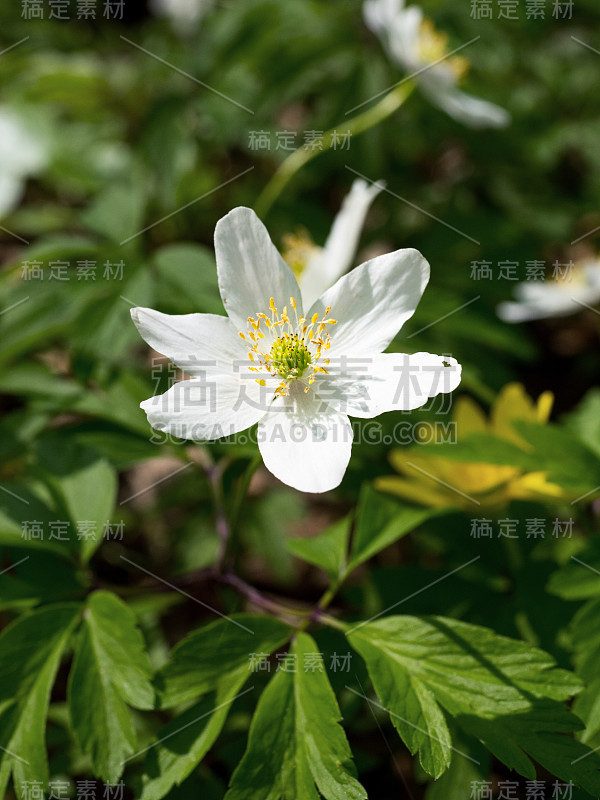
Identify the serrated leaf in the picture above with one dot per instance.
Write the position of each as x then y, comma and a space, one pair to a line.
413, 709
504, 692
217, 658
184, 742
110, 670
469, 767
30, 652
199, 661
296, 746
585, 640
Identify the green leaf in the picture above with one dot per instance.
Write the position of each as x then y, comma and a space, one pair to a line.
190, 270
483, 448
111, 669
381, 521
466, 769
37, 318
585, 420
412, 706
184, 742
328, 550
585, 640
20, 508
104, 328
504, 692
568, 461
217, 658
202, 658
84, 483
30, 652
41, 577
296, 745
579, 578
118, 211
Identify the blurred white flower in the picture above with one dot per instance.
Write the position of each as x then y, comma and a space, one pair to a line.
558, 296
411, 40
23, 152
318, 268
183, 14
298, 375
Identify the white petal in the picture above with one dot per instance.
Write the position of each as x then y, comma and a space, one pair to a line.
373, 301
194, 342
404, 36
336, 257
250, 269
305, 443
184, 14
518, 312
370, 385
464, 108
551, 298
379, 14
11, 191
591, 270
558, 306
203, 409
23, 146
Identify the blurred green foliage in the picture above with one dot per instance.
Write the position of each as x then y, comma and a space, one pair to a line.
144, 153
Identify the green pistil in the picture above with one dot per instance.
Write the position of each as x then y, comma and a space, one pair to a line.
289, 357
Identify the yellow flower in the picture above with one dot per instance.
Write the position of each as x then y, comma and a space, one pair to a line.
436, 481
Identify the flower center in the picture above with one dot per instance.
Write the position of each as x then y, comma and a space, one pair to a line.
433, 46
289, 356
287, 347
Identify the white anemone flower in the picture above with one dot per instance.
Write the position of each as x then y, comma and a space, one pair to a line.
412, 41
297, 374
184, 15
559, 296
318, 268
23, 152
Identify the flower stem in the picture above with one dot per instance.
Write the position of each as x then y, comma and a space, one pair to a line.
317, 614
214, 475
239, 498
259, 599
226, 525
362, 122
